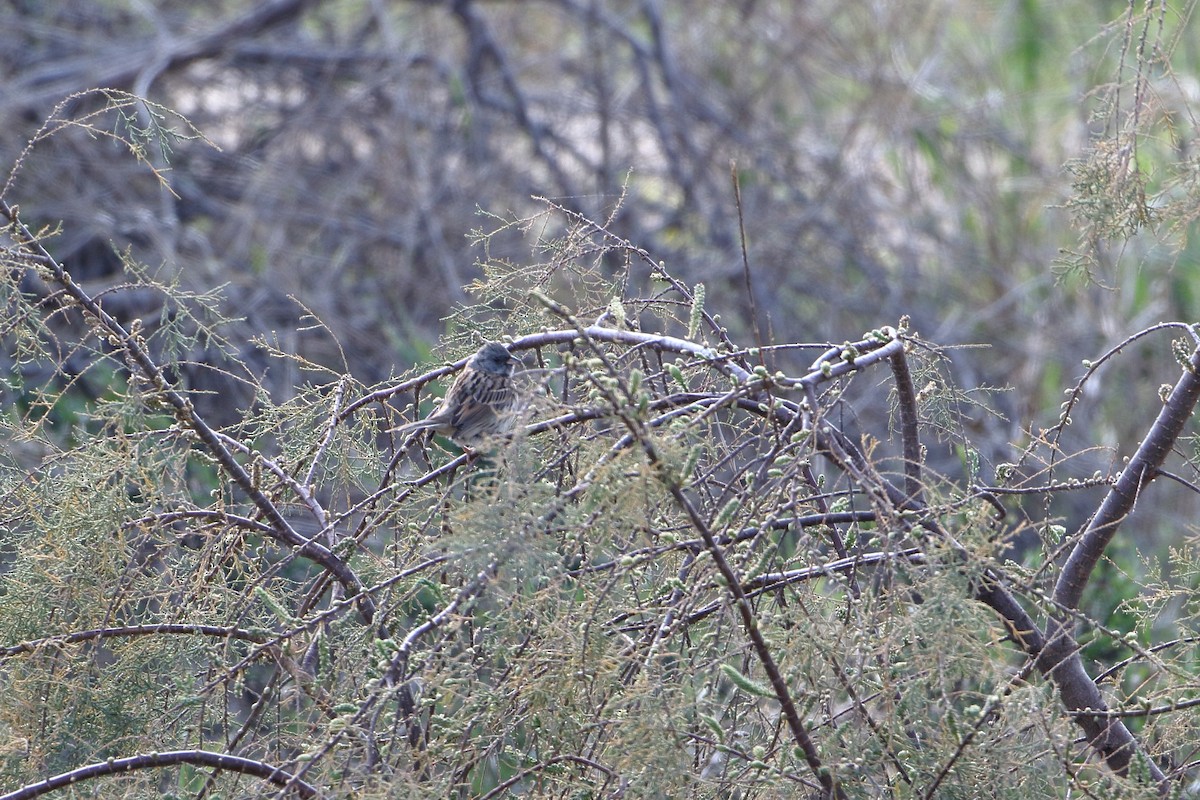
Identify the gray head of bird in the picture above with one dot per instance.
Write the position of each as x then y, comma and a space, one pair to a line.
493, 357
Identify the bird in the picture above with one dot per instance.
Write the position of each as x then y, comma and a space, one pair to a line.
481, 402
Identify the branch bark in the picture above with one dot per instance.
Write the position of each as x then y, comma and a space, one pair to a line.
1060, 659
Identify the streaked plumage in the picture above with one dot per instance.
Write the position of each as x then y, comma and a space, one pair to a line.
481, 402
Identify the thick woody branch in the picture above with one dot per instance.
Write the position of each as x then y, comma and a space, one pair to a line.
1060, 660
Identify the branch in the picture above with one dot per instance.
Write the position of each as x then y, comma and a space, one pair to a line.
906, 400
1119, 502
219, 631
204, 758
1056, 652
1060, 659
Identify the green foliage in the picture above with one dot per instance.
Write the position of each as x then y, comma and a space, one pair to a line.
548, 615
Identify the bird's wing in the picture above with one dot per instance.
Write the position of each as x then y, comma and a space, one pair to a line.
499, 397
472, 414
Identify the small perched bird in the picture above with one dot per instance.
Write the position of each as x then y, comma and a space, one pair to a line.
482, 401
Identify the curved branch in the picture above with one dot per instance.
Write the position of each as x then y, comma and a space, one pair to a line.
1122, 497
1060, 659
203, 758
1056, 652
